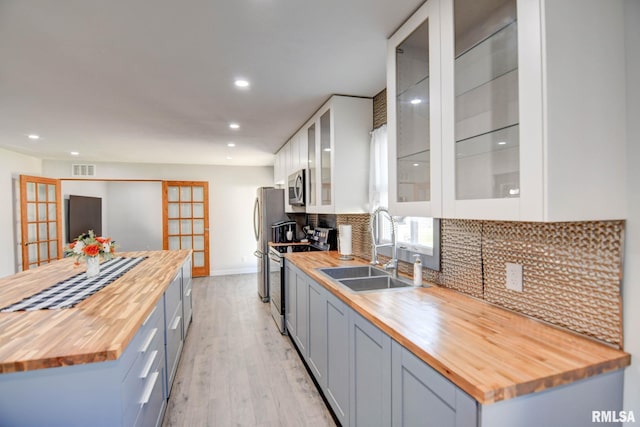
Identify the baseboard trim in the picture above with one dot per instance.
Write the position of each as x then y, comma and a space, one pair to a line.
246, 270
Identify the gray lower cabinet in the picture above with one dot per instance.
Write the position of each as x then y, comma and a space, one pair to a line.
301, 307
572, 405
370, 376
187, 305
317, 346
173, 328
311, 311
296, 306
337, 384
143, 387
290, 299
423, 397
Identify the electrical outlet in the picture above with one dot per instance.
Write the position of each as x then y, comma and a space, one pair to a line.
514, 277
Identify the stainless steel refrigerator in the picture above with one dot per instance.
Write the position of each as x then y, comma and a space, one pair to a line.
268, 208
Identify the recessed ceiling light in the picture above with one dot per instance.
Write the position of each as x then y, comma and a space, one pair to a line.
416, 164
502, 143
241, 83
229, 157
231, 144
416, 101
33, 136
234, 126
74, 153
327, 149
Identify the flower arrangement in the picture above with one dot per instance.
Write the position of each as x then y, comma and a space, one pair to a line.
89, 245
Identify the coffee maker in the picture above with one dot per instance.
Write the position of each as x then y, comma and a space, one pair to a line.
283, 232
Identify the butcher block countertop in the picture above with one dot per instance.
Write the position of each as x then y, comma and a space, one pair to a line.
95, 330
491, 353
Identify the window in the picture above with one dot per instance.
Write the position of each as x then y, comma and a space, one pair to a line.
414, 236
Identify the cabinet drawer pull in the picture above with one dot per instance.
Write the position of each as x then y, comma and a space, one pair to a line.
149, 388
176, 323
148, 365
188, 293
149, 316
147, 342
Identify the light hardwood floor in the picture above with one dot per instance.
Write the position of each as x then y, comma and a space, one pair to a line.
236, 369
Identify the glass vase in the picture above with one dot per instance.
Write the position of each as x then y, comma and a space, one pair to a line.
93, 266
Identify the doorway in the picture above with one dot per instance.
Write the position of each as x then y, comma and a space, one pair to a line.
41, 221
185, 220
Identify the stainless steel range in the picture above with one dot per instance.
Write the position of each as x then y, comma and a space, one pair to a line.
322, 239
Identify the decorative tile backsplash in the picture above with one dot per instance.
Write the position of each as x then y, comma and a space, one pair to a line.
380, 109
571, 271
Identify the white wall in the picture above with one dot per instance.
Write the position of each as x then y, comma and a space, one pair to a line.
631, 285
135, 215
232, 190
11, 166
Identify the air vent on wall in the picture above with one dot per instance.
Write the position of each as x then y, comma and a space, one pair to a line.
83, 170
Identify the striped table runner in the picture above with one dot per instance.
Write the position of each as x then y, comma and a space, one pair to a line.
75, 289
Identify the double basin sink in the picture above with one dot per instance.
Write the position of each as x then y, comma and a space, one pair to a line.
364, 278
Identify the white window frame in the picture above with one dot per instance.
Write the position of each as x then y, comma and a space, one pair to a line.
407, 251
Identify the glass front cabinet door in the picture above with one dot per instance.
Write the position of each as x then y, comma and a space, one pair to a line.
481, 123
532, 102
319, 155
413, 108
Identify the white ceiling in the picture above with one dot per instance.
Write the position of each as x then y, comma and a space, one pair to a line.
152, 81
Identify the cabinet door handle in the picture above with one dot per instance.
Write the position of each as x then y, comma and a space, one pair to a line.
149, 316
149, 388
148, 365
188, 293
176, 323
147, 342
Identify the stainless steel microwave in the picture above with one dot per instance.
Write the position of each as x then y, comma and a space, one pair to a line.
296, 185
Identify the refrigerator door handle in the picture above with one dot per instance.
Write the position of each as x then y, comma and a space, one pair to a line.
256, 219
258, 254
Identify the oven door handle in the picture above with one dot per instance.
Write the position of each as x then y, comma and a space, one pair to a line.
275, 258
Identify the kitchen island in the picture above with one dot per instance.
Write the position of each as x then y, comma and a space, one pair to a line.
483, 365
109, 360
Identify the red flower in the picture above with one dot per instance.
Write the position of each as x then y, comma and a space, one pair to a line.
92, 250
72, 245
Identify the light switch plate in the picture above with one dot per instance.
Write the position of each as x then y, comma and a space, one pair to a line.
514, 277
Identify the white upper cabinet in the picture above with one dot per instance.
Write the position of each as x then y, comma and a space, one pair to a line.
524, 117
533, 108
290, 158
300, 158
278, 170
414, 130
337, 141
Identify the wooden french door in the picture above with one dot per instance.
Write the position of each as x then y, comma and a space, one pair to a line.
41, 220
185, 220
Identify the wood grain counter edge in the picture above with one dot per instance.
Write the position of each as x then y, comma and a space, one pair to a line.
96, 330
564, 367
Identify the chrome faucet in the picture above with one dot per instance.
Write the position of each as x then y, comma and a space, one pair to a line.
375, 244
